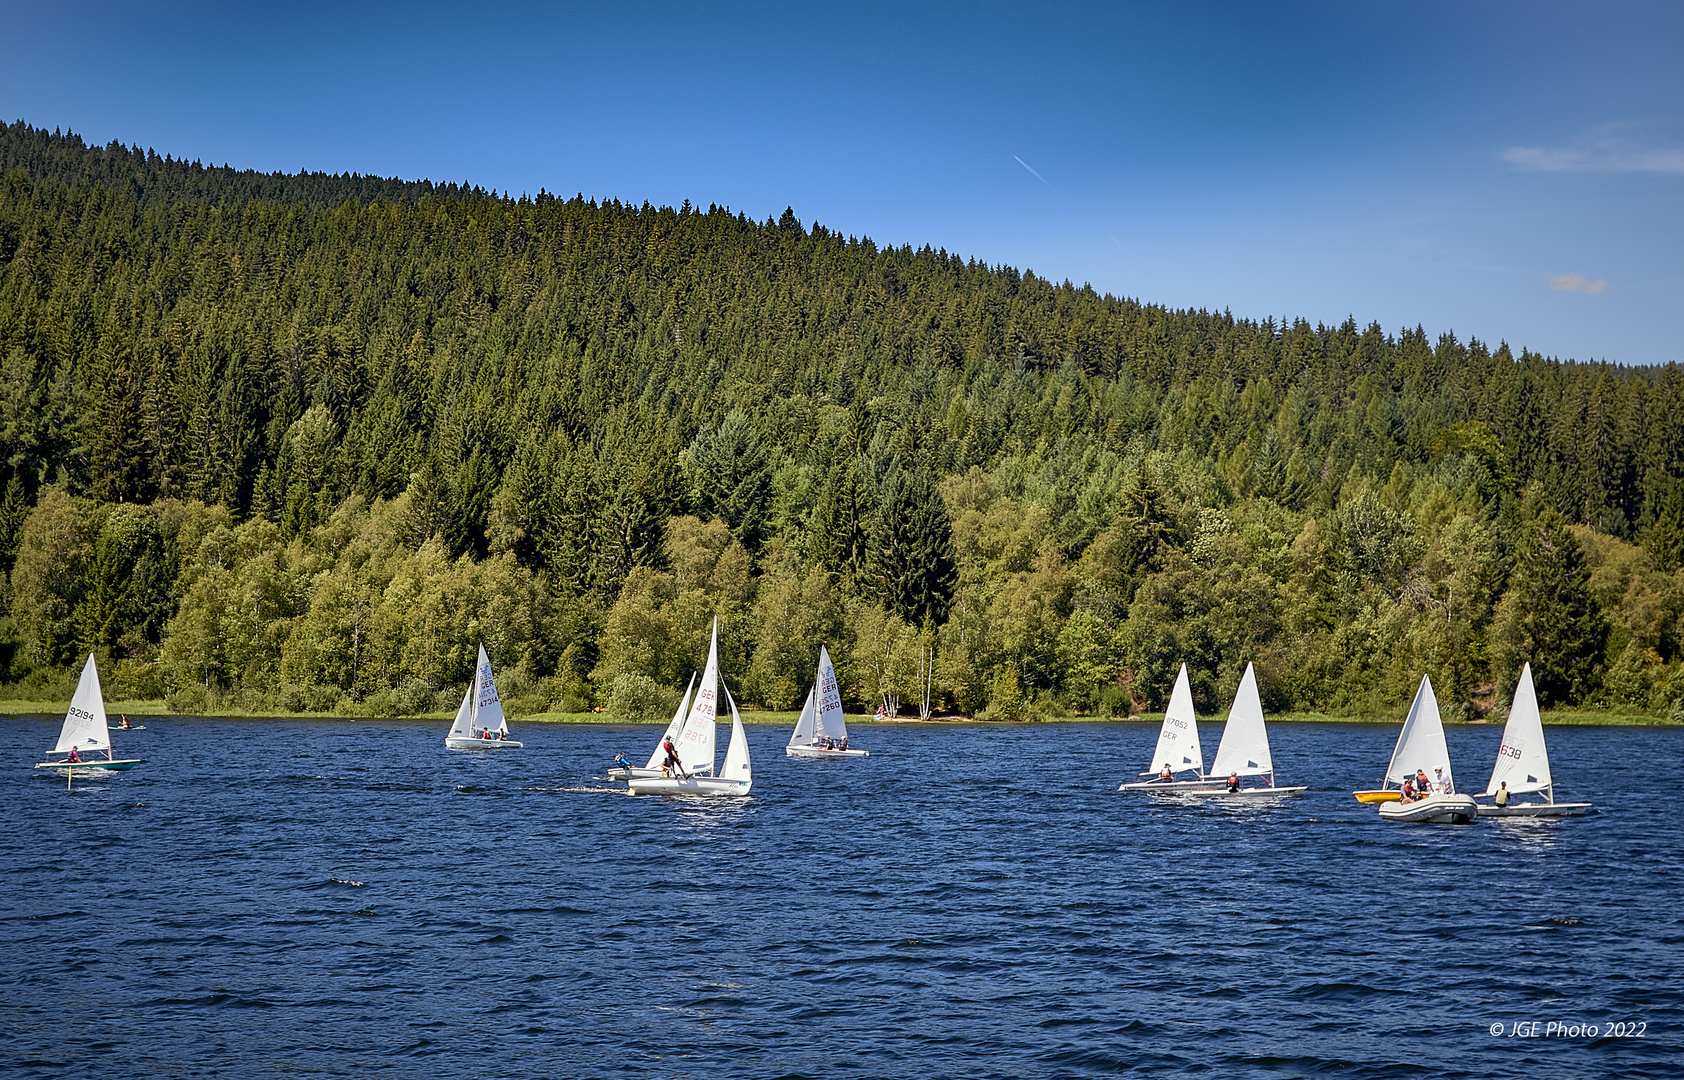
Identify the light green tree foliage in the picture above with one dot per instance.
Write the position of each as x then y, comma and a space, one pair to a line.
795, 611
49, 578
1027, 614
239, 591
1645, 608
423, 626
660, 624
883, 658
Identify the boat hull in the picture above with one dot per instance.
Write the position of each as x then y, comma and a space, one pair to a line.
1378, 796
64, 768
1560, 809
482, 744
1248, 793
1166, 786
821, 752
1437, 809
707, 786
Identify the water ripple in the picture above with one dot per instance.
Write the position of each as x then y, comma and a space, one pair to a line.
969, 902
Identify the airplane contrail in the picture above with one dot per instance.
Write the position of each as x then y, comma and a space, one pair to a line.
1032, 171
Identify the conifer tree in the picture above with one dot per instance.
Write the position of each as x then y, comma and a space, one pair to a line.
913, 568
1550, 617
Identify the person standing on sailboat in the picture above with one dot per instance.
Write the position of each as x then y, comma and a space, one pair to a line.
672, 756
1443, 785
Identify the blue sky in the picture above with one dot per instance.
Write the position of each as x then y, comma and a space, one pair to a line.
1506, 171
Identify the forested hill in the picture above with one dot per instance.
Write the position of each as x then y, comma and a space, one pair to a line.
305, 439
150, 179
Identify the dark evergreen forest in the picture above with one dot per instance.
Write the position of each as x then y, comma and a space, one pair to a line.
301, 441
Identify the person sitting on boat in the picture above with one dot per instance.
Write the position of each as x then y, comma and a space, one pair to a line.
1423, 786
1166, 774
1233, 782
1443, 785
74, 757
621, 762
1502, 796
1406, 793
843, 745
123, 724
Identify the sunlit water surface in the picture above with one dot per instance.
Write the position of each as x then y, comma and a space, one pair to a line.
346, 898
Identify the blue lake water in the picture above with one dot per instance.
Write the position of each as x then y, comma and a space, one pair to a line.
334, 898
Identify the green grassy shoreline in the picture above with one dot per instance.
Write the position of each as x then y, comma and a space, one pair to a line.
1557, 718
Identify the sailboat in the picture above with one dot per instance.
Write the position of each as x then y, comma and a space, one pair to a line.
1244, 749
1420, 748
659, 755
696, 741
1178, 750
1523, 764
86, 732
822, 732
479, 723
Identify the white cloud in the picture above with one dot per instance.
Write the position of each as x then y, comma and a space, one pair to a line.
1577, 283
1605, 151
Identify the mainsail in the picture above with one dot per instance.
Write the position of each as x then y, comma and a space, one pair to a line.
1245, 738
1420, 745
1178, 739
1522, 761
828, 722
697, 741
488, 707
85, 726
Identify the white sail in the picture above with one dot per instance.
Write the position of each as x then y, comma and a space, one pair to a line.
736, 765
1522, 761
1420, 745
697, 741
803, 733
1245, 738
659, 757
462, 726
828, 722
488, 707
84, 723
1178, 740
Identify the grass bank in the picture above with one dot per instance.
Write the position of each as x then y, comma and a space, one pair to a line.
157, 707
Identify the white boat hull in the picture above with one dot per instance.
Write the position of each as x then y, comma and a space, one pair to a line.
1459, 809
65, 768
1166, 785
1248, 793
686, 785
1559, 809
822, 752
482, 744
